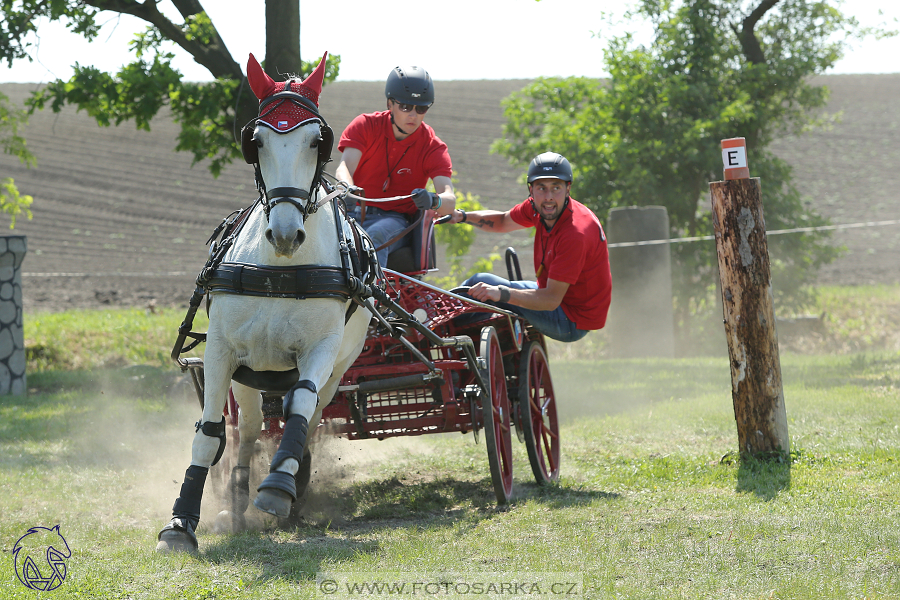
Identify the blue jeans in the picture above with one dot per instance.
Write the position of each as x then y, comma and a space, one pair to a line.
552, 323
382, 226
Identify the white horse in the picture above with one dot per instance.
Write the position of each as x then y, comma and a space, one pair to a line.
265, 334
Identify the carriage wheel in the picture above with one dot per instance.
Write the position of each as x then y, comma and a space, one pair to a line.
537, 404
496, 415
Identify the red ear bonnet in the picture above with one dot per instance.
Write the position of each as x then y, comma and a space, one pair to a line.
286, 115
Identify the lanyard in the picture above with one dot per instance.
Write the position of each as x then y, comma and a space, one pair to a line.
387, 181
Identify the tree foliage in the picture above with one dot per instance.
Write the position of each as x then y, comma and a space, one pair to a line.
12, 202
457, 240
650, 135
210, 114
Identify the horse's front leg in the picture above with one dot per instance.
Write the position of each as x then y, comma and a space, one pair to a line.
278, 490
206, 450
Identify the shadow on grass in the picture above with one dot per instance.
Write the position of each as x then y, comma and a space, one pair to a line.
343, 529
764, 477
446, 498
296, 555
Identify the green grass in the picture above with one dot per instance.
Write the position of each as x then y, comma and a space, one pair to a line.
98, 339
653, 503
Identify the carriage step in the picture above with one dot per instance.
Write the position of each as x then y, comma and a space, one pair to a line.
395, 383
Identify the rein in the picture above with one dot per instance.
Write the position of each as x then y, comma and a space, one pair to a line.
362, 201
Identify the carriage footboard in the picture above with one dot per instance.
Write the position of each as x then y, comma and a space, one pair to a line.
393, 383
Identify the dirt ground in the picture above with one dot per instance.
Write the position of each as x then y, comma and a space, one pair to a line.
120, 219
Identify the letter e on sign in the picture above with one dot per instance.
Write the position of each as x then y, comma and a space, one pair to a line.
734, 158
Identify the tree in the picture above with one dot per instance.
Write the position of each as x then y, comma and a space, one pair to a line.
11, 201
715, 69
210, 114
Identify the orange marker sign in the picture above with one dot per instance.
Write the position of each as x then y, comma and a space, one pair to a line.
734, 157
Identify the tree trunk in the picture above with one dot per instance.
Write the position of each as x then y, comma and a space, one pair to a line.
282, 38
748, 309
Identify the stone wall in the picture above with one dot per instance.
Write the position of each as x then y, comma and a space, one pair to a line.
12, 336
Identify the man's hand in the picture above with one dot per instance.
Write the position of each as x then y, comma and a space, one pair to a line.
484, 292
457, 216
425, 200
350, 203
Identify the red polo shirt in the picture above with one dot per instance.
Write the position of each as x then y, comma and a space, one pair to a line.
574, 252
410, 162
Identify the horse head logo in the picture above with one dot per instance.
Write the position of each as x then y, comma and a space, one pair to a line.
40, 556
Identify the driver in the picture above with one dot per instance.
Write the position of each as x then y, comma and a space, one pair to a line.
394, 153
574, 285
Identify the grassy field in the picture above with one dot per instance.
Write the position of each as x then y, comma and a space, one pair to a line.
653, 502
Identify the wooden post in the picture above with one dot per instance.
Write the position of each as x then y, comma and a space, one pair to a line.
743, 256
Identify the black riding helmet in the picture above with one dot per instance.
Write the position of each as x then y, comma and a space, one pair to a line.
549, 165
410, 85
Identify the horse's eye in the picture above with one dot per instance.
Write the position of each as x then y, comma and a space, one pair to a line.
258, 142
315, 142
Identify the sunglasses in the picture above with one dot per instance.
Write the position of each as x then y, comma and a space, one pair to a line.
408, 107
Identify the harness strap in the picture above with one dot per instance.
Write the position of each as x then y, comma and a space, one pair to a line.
279, 282
287, 192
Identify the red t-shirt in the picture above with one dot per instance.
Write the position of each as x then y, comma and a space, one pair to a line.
411, 162
574, 252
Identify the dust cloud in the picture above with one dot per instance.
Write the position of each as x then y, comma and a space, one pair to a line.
136, 446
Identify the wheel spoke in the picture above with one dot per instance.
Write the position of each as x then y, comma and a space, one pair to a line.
549, 431
551, 463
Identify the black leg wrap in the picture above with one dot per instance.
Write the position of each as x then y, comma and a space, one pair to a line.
211, 429
293, 441
306, 384
187, 506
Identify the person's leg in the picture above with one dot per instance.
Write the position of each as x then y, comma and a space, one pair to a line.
552, 323
383, 227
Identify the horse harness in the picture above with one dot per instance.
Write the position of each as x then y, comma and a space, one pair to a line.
250, 152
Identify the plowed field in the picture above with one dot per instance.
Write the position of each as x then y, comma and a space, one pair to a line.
120, 219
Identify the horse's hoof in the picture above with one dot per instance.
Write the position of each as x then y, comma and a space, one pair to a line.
177, 536
274, 502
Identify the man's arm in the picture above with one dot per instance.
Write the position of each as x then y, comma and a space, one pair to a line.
488, 220
350, 158
548, 298
443, 187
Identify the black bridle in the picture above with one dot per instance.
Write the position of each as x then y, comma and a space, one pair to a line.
299, 197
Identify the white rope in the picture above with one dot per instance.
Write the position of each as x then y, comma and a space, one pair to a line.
617, 245
773, 232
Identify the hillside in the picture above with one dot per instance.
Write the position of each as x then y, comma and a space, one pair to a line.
116, 200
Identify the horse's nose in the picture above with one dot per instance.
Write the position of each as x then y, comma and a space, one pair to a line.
285, 243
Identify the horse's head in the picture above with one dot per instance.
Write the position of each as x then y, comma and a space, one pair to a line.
289, 143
